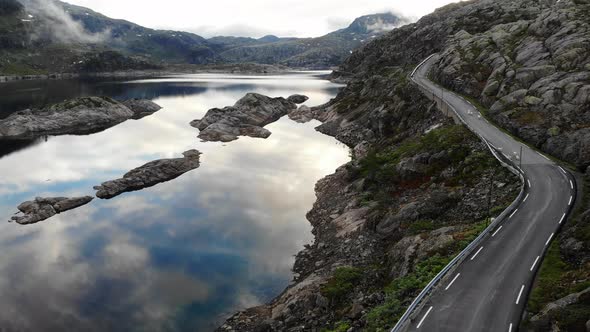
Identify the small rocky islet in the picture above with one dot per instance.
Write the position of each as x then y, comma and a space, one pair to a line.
246, 118
150, 174
77, 116
44, 208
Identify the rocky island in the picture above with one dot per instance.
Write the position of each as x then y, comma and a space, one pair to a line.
150, 174
78, 116
246, 118
44, 208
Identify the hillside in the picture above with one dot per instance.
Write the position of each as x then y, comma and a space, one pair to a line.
386, 223
322, 52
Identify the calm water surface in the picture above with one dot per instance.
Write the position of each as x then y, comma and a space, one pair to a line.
176, 257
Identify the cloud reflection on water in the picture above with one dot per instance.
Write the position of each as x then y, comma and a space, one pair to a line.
176, 256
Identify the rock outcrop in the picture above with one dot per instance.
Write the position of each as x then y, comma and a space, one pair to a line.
532, 72
82, 115
246, 118
44, 208
150, 174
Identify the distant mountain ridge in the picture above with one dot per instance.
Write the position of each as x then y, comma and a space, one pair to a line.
45, 36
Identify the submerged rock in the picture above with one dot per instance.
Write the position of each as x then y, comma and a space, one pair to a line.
77, 116
246, 118
150, 174
44, 208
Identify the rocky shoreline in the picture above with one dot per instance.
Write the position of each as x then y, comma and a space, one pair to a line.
381, 216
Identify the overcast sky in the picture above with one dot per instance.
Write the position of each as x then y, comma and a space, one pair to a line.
254, 18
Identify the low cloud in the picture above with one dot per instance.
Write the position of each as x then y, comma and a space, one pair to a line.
56, 24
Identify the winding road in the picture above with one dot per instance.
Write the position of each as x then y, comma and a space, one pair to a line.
488, 290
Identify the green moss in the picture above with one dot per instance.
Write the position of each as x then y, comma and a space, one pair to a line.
338, 327
421, 226
548, 281
341, 284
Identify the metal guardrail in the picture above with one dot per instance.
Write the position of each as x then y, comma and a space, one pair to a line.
418, 303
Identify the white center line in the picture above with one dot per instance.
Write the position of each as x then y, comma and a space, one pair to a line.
535, 263
571, 184
571, 198
423, 318
549, 239
496, 232
510, 328
513, 213
477, 253
449, 286
527, 196
519, 294
529, 181
562, 217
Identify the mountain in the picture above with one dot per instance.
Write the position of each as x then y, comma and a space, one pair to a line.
322, 52
45, 36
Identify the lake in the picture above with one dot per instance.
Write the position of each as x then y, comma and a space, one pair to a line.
182, 255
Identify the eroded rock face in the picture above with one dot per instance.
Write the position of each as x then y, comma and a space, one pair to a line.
533, 73
77, 116
44, 208
150, 174
246, 118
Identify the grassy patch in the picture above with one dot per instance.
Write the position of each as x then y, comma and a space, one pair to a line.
341, 284
338, 327
401, 291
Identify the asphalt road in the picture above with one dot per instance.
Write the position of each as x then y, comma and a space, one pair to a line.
489, 290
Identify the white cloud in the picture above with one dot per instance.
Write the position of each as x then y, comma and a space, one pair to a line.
301, 18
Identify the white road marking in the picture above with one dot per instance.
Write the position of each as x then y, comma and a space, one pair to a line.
505, 155
562, 217
562, 170
477, 253
544, 156
529, 181
519, 294
549, 239
527, 196
535, 263
571, 198
423, 318
510, 328
496, 232
454, 279
572, 184
513, 213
